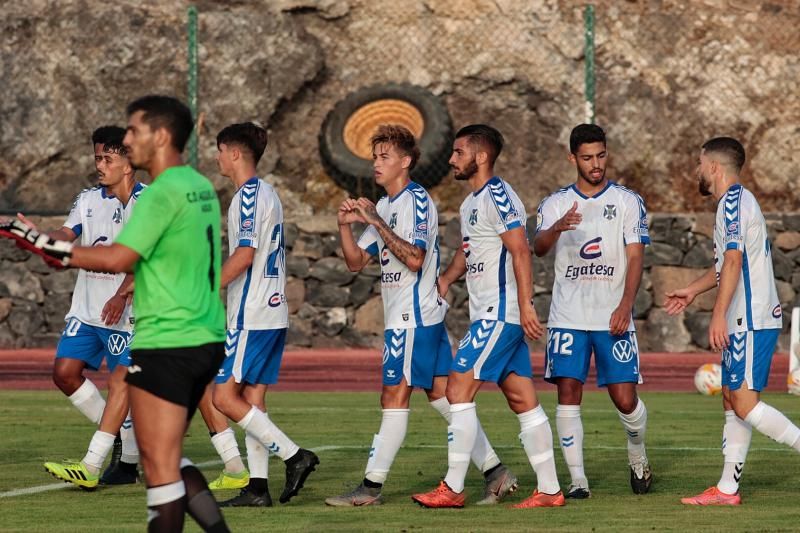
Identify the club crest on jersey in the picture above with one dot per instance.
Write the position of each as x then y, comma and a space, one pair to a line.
465, 246
473, 217
610, 212
89, 213
393, 220
591, 249
117, 216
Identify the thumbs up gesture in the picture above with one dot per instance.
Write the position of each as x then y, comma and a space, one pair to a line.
570, 220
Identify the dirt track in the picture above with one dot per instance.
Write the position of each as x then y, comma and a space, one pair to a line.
358, 370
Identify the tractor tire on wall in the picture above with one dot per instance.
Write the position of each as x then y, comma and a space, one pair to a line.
344, 138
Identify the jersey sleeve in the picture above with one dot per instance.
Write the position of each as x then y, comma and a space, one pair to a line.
635, 228
506, 211
418, 236
154, 213
547, 214
73, 221
369, 241
738, 213
250, 219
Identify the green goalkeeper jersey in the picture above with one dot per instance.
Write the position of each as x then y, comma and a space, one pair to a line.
175, 228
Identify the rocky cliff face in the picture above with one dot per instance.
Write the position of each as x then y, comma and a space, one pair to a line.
669, 75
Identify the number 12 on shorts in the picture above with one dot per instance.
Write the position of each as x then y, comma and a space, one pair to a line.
560, 342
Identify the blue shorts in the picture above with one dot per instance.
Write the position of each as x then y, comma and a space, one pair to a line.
252, 356
493, 350
569, 352
748, 358
91, 344
416, 354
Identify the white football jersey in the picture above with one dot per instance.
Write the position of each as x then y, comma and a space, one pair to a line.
97, 217
492, 286
590, 263
410, 299
257, 298
740, 225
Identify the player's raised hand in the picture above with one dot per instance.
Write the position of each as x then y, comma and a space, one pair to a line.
348, 214
367, 210
677, 301
570, 220
113, 309
55, 253
718, 332
530, 321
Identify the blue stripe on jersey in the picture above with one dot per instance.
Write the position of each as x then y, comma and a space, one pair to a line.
372, 249
421, 217
417, 310
748, 294
243, 301
77, 230
501, 280
247, 211
502, 202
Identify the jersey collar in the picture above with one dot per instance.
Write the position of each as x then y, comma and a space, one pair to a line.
495, 180
251, 181
604, 189
396, 196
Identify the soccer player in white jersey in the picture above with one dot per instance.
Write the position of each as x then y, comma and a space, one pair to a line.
599, 231
403, 235
746, 319
497, 261
258, 316
99, 322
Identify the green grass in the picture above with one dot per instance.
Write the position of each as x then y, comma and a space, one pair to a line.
683, 439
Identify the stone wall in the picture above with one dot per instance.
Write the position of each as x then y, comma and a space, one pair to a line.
331, 306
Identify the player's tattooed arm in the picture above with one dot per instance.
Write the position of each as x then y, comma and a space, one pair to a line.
355, 258
546, 238
410, 255
621, 317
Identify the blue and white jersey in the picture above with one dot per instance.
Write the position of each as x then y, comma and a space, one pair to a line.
492, 286
410, 299
97, 217
590, 263
740, 225
257, 298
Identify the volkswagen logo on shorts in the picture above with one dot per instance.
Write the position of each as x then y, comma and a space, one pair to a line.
622, 351
591, 249
117, 343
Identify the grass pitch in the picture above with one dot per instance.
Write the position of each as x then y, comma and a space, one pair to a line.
683, 439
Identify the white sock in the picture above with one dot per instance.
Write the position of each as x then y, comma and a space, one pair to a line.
87, 400
635, 425
461, 434
228, 450
570, 436
736, 436
130, 450
257, 457
386, 444
258, 424
99, 447
537, 439
483, 455
774, 425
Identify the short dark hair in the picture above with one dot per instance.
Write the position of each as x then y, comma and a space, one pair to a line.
400, 137
585, 134
487, 137
247, 135
108, 135
729, 148
165, 112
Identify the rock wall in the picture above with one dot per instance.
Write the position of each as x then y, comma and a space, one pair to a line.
330, 306
669, 75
